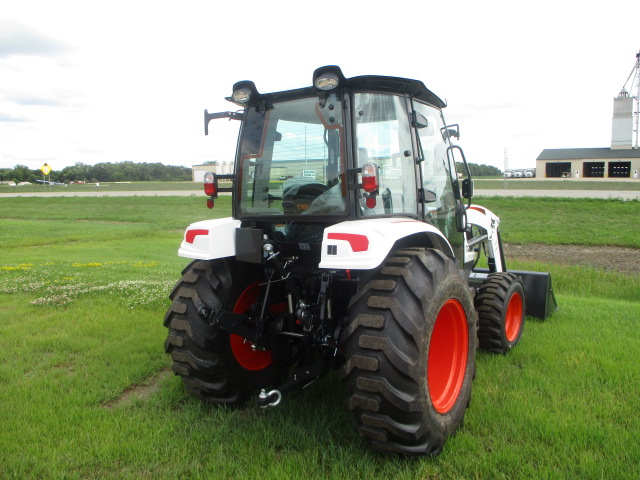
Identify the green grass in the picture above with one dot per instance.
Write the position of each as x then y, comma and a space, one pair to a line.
564, 184
196, 187
567, 220
83, 290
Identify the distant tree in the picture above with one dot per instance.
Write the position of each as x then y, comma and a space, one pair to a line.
126, 171
102, 172
20, 173
479, 170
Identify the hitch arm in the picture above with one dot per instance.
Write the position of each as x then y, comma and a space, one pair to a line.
234, 323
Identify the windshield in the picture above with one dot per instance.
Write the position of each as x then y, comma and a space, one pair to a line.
291, 159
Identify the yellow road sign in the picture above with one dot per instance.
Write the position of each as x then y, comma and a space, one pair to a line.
46, 169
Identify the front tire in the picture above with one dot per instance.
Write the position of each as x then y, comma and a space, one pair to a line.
410, 352
501, 310
214, 365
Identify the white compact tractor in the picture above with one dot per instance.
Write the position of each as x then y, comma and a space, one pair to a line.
352, 245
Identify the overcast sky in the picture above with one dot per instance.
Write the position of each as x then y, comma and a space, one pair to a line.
85, 81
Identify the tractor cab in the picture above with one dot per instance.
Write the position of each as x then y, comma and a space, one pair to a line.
344, 149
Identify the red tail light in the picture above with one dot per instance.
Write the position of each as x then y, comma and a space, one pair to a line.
370, 182
209, 184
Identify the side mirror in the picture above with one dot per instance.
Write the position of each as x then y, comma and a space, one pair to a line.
427, 196
419, 120
451, 131
467, 188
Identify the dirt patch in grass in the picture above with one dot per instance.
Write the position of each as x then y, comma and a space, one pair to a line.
613, 259
142, 390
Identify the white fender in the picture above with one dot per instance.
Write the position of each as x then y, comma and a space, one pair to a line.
364, 244
488, 223
210, 239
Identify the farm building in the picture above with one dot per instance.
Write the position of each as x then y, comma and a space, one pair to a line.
589, 163
221, 168
620, 161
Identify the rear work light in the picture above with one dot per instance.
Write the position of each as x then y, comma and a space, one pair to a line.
209, 184
210, 188
370, 179
370, 183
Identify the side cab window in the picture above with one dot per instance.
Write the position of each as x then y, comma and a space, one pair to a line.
383, 137
436, 170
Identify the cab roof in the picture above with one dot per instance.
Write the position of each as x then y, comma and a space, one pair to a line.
398, 85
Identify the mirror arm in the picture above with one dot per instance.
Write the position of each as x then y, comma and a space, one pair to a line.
211, 116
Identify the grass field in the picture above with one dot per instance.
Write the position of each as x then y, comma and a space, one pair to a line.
196, 187
85, 390
559, 184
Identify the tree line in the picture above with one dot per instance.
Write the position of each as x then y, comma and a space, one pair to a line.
141, 172
479, 170
101, 172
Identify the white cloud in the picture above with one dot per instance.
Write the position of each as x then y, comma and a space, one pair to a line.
92, 82
18, 39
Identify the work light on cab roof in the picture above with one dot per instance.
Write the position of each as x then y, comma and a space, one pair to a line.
243, 92
327, 78
329, 81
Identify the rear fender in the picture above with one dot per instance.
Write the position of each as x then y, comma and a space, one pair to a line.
364, 244
210, 239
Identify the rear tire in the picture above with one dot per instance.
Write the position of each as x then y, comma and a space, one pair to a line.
410, 352
214, 365
501, 309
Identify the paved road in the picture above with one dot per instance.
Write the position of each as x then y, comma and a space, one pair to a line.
625, 195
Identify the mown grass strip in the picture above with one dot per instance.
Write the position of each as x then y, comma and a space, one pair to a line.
567, 220
529, 184
523, 220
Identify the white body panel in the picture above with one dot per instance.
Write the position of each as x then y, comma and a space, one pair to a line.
364, 244
210, 239
488, 223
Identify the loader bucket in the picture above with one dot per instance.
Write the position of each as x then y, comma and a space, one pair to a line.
539, 297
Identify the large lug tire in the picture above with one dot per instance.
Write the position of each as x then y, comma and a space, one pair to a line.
214, 365
410, 352
500, 303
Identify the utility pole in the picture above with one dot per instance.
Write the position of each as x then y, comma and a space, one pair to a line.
506, 159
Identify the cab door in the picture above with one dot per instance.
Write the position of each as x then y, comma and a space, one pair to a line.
438, 172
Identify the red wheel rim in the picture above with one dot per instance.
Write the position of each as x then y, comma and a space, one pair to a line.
448, 353
246, 356
513, 317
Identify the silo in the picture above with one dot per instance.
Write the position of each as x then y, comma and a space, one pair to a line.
622, 123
